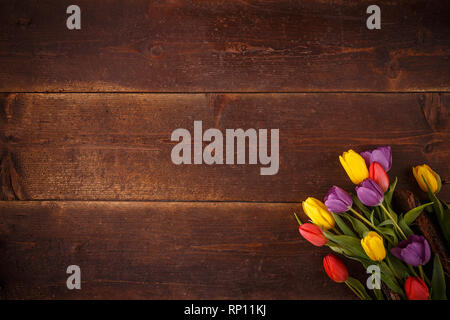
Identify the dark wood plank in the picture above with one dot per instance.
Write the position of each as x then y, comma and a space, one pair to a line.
117, 146
216, 45
137, 250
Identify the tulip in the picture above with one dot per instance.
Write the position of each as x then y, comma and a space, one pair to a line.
379, 175
416, 289
338, 200
432, 178
355, 166
382, 155
313, 234
335, 268
318, 213
373, 246
415, 251
370, 193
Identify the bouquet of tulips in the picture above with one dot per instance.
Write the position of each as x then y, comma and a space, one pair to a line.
364, 227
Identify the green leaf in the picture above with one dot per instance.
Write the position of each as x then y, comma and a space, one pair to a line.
412, 214
436, 203
386, 223
389, 232
378, 294
371, 218
358, 287
390, 192
341, 224
405, 228
438, 289
336, 249
445, 205
390, 281
429, 209
393, 214
444, 222
401, 269
361, 206
445, 226
352, 244
358, 226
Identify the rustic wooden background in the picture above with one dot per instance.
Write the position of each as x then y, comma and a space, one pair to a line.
86, 118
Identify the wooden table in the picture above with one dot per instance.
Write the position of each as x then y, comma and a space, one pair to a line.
86, 117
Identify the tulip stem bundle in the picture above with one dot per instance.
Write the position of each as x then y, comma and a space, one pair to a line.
374, 234
393, 221
368, 222
391, 267
354, 291
423, 275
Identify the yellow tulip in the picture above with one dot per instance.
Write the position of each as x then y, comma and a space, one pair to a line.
355, 166
373, 246
318, 213
432, 178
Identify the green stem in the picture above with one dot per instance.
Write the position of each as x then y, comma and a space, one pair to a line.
392, 273
337, 231
354, 291
393, 221
298, 220
369, 224
391, 267
379, 214
378, 294
412, 270
424, 276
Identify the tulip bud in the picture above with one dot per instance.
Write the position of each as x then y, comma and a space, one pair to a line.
335, 268
313, 234
355, 166
318, 213
415, 250
373, 246
382, 155
432, 178
416, 289
379, 175
338, 200
370, 193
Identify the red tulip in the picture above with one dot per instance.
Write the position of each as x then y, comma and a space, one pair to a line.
379, 175
313, 234
416, 289
335, 268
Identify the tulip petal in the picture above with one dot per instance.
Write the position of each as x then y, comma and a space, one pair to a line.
383, 156
354, 165
411, 255
415, 250
336, 206
367, 155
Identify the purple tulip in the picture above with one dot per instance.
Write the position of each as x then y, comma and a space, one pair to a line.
415, 250
338, 200
382, 155
369, 193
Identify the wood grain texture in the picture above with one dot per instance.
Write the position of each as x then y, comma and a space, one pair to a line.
137, 250
117, 146
215, 45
